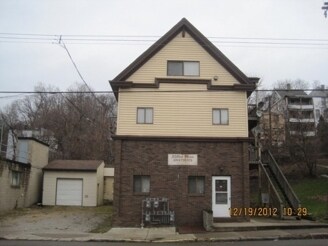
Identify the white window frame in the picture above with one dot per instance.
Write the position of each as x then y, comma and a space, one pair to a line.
146, 111
144, 185
184, 68
220, 121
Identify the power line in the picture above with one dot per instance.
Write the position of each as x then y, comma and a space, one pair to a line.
62, 44
137, 39
54, 92
156, 36
19, 95
150, 90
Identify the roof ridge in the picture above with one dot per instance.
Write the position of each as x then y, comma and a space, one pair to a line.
183, 25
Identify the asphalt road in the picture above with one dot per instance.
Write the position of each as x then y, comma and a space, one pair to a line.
314, 242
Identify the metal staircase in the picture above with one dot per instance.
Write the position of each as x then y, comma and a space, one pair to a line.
274, 185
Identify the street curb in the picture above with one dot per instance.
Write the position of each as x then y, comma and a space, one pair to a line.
210, 239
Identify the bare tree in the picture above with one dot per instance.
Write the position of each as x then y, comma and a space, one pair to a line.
303, 144
295, 84
81, 122
289, 132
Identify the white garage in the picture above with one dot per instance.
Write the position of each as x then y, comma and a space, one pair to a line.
73, 183
69, 192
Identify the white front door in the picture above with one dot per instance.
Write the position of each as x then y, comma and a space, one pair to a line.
221, 196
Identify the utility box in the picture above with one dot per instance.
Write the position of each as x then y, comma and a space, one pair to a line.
156, 211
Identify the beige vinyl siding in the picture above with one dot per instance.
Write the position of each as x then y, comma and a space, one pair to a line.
183, 49
182, 113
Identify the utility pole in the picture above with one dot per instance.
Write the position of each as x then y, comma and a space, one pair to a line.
270, 124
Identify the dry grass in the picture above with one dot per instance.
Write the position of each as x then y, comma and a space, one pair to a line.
104, 226
36, 213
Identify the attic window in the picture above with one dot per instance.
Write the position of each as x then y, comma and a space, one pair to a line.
183, 68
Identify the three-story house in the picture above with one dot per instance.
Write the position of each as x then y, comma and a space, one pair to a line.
182, 130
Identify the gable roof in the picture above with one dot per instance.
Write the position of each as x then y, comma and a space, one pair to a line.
319, 93
181, 26
73, 165
291, 93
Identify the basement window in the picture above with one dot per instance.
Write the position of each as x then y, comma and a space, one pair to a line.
15, 178
196, 185
183, 68
141, 183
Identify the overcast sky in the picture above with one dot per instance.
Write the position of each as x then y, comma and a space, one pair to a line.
27, 60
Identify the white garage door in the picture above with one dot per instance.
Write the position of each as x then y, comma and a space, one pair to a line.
69, 192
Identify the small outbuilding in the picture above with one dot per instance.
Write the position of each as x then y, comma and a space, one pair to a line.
108, 185
73, 183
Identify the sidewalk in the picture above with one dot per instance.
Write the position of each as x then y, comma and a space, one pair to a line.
169, 234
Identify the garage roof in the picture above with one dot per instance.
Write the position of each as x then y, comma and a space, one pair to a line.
73, 165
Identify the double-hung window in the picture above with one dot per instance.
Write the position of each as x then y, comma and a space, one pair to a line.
141, 183
220, 116
145, 115
196, 185
183, 68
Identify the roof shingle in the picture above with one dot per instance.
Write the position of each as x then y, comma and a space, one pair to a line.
73, 165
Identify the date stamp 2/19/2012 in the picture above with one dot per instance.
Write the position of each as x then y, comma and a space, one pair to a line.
267, 212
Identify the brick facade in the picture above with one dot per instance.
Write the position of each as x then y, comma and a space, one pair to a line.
138, 156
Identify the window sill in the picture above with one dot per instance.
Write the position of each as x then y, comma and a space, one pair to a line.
15, 186
141, 193
182, 77
196, 194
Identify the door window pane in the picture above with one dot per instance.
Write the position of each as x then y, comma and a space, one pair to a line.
221, 198
221, 185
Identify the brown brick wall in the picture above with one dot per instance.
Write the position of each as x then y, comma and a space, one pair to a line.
141, 157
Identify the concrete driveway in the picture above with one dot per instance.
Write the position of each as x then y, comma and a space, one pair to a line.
38, 220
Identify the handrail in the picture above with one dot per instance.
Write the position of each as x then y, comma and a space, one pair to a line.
281, 179
253, 154
275, 198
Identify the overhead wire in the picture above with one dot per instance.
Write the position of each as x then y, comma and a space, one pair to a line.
62, 44
156, 36
137, 39
149, 90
